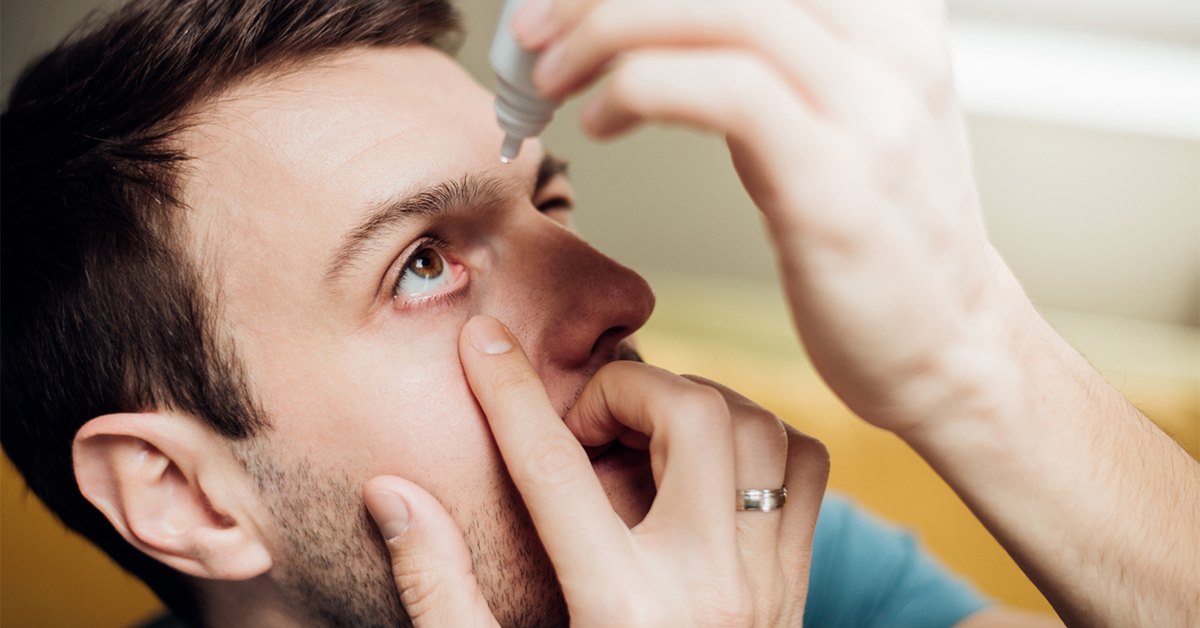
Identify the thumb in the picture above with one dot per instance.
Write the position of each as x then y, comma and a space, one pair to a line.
430, 561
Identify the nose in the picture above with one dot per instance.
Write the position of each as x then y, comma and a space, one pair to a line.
570, 305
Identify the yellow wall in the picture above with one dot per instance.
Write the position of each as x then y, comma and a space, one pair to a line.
738, 334
52, 578
1090, 220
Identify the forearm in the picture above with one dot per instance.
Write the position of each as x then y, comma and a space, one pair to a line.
850, 143
1096, 504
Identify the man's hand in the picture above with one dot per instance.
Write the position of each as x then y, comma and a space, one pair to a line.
842, 123
693, 560
841, 120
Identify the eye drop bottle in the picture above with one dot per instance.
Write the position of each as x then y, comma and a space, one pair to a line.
520, 110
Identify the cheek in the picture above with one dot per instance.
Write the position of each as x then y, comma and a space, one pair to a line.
411, 412
563, 217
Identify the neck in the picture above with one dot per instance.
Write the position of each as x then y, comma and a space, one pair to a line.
254, 603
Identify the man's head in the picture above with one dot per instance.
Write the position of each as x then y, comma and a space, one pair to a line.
239, 254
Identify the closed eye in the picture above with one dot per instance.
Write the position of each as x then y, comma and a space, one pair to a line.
558, 202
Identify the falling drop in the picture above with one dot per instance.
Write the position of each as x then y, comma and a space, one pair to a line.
510, 148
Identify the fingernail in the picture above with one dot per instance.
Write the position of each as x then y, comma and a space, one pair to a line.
488, 335
530, 20
389, 511
545, 73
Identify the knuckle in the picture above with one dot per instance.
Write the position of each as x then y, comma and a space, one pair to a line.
626, 85
817, 454
700, 407
748, 88
605, 24
745, 76
758, 426
710, 402
809, 446
555, 460
511, 376
811, 453
758, 421
688, 399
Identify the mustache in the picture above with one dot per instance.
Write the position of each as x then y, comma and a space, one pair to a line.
624, 351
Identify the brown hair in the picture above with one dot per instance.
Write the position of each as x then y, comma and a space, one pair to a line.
102, 310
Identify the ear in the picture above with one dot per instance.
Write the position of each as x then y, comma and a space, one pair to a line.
172, 487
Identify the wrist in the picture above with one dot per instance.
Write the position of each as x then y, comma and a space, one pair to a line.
981, 381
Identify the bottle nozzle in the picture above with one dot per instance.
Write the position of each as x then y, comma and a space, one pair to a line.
510, 148
521, 111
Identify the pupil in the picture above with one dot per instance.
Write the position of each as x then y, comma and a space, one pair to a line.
427, 264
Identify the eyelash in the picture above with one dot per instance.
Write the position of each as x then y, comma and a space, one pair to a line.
559, 202
440, 298
437, 243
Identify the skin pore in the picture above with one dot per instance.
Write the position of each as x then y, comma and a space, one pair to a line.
324, 203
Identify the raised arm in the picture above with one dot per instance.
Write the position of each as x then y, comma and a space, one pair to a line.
842, 122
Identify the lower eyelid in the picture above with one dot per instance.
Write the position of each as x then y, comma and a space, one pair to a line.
456, 286
434, 300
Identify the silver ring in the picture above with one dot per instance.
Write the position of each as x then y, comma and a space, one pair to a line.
762, 500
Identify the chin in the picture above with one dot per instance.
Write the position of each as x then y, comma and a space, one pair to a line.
625, 474
515, 574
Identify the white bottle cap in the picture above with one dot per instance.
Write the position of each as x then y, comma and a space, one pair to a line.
520, 110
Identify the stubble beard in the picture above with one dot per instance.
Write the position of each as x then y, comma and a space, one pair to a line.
335, 571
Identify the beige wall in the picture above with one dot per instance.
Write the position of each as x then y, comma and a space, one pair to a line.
1094, 221
1098, 221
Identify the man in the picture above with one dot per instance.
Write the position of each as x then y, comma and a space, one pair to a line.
244, 281
251, 315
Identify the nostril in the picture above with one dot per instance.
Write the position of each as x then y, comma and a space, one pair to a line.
608, 345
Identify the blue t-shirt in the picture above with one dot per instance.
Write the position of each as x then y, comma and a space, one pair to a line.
869, 574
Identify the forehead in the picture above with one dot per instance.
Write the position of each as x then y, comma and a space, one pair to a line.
342, 132
332, 112
281, 167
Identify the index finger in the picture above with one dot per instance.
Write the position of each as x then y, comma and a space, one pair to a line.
568, 505
539, 21
690, 438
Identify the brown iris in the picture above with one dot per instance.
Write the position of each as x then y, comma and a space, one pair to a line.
427, 264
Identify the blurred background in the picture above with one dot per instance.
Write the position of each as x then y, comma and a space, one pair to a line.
1084, 117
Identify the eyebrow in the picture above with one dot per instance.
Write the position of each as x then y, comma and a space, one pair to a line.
550, 167
435, 200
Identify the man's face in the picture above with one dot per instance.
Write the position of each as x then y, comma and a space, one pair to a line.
351, 216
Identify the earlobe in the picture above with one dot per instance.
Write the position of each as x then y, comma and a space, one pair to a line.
171, 487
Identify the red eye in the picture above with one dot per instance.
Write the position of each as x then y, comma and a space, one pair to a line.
426, 271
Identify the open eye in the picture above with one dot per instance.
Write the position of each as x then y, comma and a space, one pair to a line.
426, 271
